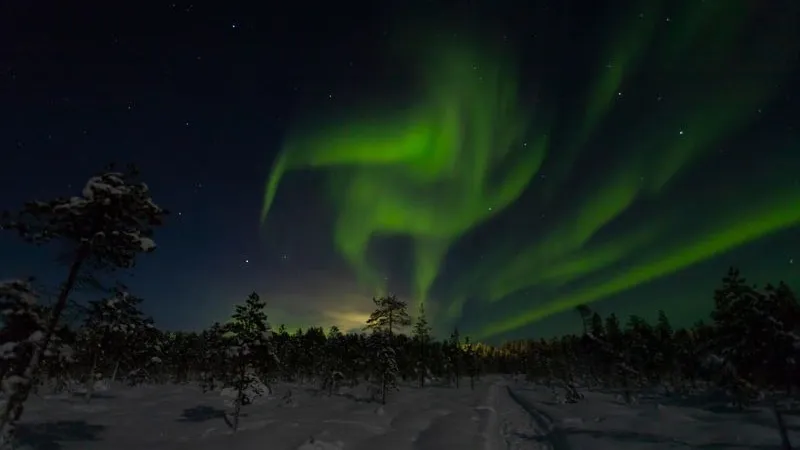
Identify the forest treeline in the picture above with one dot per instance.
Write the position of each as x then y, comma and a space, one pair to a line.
748, 347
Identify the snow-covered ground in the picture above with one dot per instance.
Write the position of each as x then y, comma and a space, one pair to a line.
602, 421
498, 415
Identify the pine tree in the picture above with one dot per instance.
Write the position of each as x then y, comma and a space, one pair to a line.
333, 360
105, 228
22, 332
589, 343
470, 362
422, 337
386, 363
454, 357
248, 337
780, 318
586, 315
112, 325
390, 313
665, 351
738, 336
214, 362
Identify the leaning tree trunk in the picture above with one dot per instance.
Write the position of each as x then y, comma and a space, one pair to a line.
116, 370
785, 444
13, 409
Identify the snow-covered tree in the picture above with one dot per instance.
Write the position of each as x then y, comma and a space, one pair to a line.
422, 338
390, 314
739, 336
384, 366
214, 361
779, 318
22, 333
248, 337
333, 363
471, 362
106, 227
455, 357
113, 326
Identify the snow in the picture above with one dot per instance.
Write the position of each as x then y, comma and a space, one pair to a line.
110, 183
19, 290
602, 421
499, 414
145, 243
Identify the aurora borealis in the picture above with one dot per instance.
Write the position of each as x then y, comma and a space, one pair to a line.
621, 171
434, 172
502, 162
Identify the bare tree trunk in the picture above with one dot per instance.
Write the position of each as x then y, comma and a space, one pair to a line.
114, 373
785, 444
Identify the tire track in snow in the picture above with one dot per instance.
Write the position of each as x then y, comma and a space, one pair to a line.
554, 435
509, 426
492, 433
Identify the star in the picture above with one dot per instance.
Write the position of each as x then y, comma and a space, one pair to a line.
791, 261
246, 261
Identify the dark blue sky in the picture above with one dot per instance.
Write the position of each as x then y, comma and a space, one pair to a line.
200, 97
196, 96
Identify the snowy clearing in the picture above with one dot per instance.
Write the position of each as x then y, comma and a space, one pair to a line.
497, 415
602, 421
182, 417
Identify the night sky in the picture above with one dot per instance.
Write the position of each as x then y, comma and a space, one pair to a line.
501, 161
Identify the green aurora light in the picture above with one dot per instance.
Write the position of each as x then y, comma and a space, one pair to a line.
466, 151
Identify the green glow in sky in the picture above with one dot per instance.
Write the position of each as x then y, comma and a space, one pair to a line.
466, 150
460, 155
